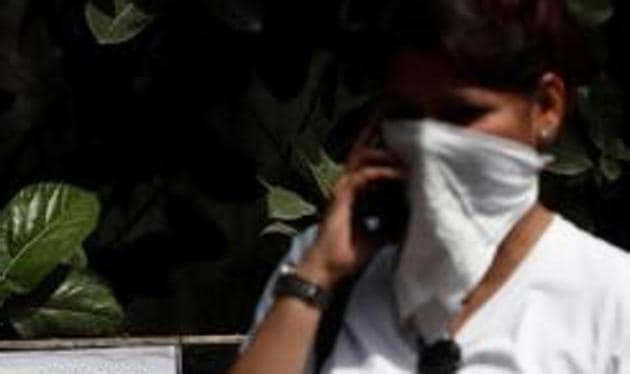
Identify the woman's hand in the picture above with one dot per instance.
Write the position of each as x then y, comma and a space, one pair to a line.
342, 247
285, 337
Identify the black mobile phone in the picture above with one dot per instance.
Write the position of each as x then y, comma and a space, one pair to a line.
381, 210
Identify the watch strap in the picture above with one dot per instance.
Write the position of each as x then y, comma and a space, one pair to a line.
289, 283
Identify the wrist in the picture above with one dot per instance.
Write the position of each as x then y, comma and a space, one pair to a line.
295, 285
316, 271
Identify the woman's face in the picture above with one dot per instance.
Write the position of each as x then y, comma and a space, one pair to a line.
424, 85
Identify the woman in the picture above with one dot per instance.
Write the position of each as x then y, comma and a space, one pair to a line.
486, 276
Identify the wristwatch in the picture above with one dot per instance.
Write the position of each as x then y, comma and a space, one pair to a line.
289, 283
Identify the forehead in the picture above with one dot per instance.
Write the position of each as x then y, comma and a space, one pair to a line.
411, 71
428, 78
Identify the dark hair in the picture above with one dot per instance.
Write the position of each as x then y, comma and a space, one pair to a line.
504, 44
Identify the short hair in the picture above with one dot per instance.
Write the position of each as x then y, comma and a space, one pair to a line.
505, 44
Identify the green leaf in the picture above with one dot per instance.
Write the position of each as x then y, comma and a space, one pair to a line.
570, 156
44, 225
286, 205
279, 228
591, 13
83, 305
324, 170
242, 15
610, 168
79, 260
601, 105
617, 149
623, 152
118, 24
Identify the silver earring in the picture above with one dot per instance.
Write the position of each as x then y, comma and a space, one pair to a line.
544, 133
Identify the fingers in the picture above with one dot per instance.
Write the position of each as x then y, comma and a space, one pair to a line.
349, 184
363, 151
368, 132
372, 156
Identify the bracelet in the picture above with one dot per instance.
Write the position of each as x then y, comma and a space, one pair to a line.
289, 283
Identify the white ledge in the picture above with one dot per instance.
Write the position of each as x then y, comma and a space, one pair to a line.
76, 343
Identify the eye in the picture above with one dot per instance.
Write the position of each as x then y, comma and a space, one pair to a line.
462, 113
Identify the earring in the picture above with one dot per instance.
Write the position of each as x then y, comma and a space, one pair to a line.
544, 134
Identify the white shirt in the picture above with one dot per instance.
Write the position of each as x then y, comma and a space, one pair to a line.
565, 309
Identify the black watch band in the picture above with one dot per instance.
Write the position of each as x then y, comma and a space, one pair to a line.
289, 283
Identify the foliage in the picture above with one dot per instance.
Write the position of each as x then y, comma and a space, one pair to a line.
42, 229
120, 23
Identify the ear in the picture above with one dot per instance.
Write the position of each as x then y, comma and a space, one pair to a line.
548, 111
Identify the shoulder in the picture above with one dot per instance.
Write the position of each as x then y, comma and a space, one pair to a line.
299, 245
604, 274
589, 254
577, 272
597, 271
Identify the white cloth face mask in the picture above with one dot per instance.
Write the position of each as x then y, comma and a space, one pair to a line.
466, 190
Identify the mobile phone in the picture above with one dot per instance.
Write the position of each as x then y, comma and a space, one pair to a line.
381, 210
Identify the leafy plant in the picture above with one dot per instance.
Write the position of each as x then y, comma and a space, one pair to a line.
592, 13
117, 21
42, 229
